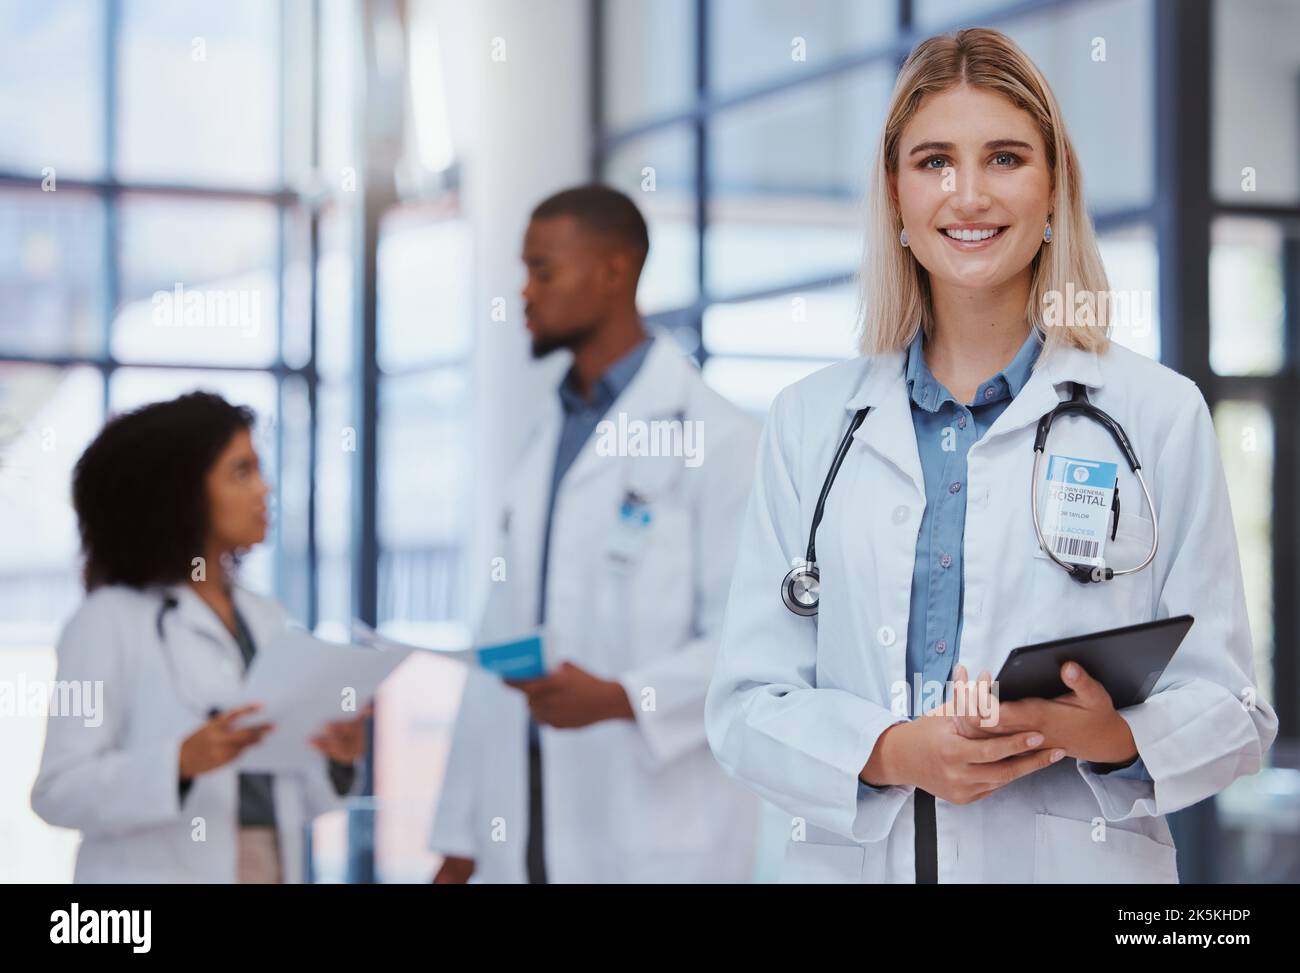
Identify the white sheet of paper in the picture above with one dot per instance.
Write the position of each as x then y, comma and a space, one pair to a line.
300, 681
363, 634
458, 649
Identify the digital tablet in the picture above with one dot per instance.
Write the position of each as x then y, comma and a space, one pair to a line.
1127, 661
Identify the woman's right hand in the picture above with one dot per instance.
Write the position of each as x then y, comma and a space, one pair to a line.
216, 742
930, 754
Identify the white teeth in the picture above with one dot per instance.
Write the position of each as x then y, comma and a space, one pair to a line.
971, 235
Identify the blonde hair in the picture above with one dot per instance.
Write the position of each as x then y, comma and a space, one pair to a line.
895, 295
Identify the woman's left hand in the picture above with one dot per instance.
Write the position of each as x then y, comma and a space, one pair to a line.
344, 742
1084, 723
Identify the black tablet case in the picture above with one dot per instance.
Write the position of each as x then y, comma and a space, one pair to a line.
1127, 661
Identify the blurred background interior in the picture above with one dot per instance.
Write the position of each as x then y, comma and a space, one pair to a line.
364, 169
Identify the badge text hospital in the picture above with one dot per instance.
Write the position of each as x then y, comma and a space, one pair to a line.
1077, 516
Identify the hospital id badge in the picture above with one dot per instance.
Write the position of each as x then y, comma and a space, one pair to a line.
1076, 517
629, 538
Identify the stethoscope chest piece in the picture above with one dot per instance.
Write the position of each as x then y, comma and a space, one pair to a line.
801, 589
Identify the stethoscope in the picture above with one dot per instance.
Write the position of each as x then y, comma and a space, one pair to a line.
801, 589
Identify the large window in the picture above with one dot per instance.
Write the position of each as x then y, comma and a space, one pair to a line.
1253, 341
146, 222
185, 205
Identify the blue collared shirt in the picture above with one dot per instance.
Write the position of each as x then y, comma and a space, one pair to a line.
945, 431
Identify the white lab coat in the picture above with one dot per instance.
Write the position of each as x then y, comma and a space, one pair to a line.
796, 704
623, 801
117, 783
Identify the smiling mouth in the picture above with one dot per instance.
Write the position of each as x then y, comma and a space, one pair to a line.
972, 236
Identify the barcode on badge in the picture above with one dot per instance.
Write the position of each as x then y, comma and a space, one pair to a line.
1074, 547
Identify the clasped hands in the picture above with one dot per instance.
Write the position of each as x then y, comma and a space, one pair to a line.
973, 744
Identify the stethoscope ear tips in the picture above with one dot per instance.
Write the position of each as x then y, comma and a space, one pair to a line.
801, 590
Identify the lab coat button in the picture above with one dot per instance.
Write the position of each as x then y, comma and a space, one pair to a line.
900, 514
885, 635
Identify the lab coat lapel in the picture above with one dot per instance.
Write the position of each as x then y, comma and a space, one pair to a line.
1039, 395
524, 518
264, 619
193, 612
656, 392
887, 429
203, 655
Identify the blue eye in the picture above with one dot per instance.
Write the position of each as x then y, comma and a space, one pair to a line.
1014, 159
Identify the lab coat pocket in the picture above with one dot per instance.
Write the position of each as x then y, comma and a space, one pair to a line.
1128, 547
1079, 852
1131, 544
614, 589
657, 586
1062, 607
625, 583
809, 863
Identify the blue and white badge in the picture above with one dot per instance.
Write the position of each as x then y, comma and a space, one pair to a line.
634, 519
1076, 514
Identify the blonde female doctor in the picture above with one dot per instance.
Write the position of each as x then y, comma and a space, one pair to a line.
928, 565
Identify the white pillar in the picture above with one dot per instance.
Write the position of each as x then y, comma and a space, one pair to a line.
517, 80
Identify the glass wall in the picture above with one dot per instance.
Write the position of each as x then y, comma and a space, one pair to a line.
141, 261
182, 207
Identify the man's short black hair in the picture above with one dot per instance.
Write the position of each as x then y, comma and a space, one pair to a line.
602, 210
